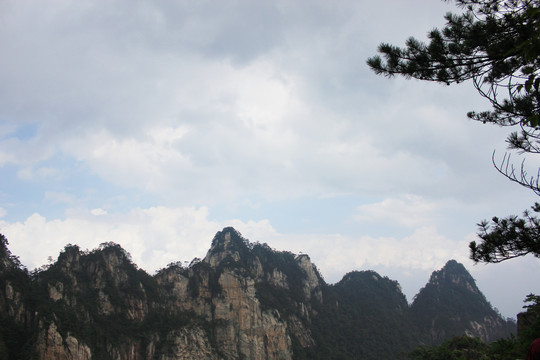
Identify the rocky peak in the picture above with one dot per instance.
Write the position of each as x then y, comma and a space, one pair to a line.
312, 279
7, 260
456, 274
451, 302
69, 259
227, 243
244, 300
369, 285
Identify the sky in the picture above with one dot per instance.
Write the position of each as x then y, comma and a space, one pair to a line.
156, 124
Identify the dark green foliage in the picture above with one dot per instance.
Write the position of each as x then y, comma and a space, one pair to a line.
496, 45
202, 271
507, 238
84, 279
275, 297
15, 341
364, 316
464, 347
469, 348
529, 322
450, 302
456, 348
15, 338
285, 262
8, 260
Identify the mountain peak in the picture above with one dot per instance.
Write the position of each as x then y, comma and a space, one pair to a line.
227, 243
98, 304
227, 239
456, 274
450, 291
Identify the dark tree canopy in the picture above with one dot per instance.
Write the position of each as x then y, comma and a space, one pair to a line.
495, 44
504, 239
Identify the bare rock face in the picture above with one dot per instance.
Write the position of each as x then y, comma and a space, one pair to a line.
483, 329
241, 301
222, 248
52, 346
226, 306
189, 343
223, 288
312, 281
14, 303
254, 333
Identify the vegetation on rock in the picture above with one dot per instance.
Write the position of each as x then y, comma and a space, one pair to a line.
242, 300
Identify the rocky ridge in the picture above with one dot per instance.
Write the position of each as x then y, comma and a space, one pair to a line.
242, 301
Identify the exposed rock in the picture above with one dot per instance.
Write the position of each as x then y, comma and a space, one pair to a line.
51, 345
451, 304
242, 301
13, 303
311, 281
188, 344
253, 334
56, 291
278, 278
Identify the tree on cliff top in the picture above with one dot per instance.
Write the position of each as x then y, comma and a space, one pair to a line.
495, 44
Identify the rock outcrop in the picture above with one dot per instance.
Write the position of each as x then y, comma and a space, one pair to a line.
241, 301
50, 345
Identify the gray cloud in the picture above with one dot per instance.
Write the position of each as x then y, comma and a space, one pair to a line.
236, 106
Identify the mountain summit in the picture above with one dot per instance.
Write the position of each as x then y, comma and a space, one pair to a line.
243, 300
451, 304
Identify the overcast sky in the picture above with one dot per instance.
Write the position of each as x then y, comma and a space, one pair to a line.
156, 124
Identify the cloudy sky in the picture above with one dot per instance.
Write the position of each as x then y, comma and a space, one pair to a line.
156, 124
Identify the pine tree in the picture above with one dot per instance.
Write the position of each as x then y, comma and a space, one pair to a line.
495, 44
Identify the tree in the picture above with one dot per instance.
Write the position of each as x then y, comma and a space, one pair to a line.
504, 239
458, 348
495, 44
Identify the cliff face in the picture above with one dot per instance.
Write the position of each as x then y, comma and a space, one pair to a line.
242, 301
224, 290
99, 305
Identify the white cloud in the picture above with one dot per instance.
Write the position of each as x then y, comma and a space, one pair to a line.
407, 210
175, 234
226, 105
98, 212
184, 233
111, 100
424, 249
164, 108
136, 163
157, 236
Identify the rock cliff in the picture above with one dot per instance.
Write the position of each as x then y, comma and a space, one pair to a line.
242, 301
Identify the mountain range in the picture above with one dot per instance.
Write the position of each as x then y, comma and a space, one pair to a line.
244, 300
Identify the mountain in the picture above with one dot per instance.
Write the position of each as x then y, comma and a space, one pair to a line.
451, 304
364, 316
242, 301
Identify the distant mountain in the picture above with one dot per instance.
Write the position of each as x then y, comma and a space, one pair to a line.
242, 301
364, 316
451, 304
